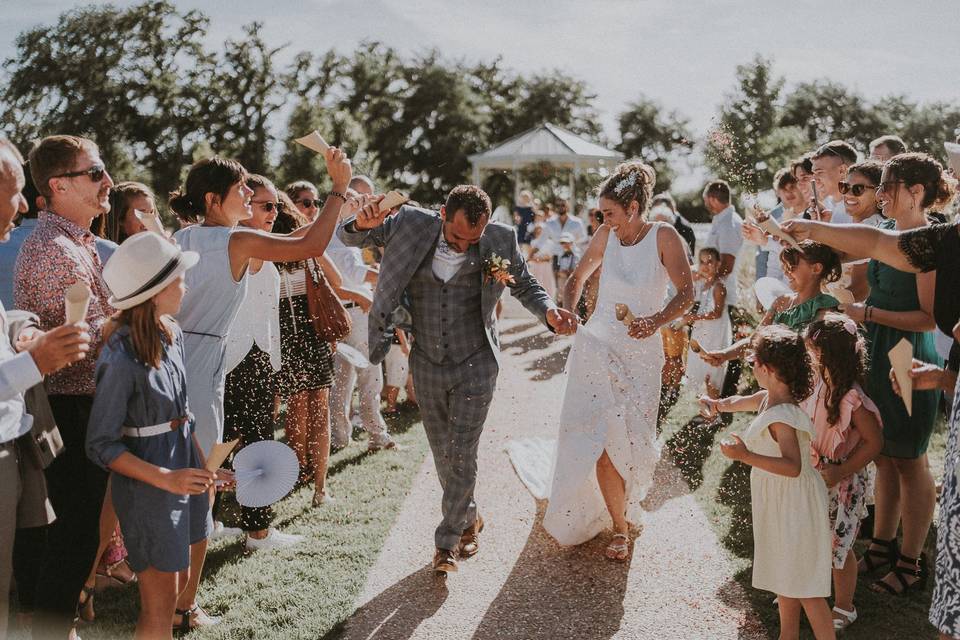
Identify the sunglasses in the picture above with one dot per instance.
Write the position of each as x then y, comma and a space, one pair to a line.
268, 205
96, 173
887, 187
306, 203
856, 189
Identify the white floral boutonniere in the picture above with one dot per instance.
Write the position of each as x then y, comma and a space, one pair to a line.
497, 269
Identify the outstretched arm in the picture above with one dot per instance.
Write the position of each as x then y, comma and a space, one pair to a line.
371, 227
855, 240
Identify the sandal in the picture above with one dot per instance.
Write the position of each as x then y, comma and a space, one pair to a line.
619, 548
888, 556
847, 618
105, 579
918, 570
192, 618
85, 604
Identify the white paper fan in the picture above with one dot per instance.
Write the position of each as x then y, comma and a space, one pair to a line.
265, 472
352, 356
769, 289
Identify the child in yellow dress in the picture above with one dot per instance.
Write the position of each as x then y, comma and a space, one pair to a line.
791, 531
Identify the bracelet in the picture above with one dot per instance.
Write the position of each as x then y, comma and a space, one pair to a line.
337, 194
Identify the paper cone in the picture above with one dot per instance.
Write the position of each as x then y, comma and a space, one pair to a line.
768, 289
218, 454
314, 141
624, 315
841, 293
901, 360
151, 222
76, 301
392, 200
351, 355
771, 226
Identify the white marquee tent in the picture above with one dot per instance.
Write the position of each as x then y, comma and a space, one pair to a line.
546, 143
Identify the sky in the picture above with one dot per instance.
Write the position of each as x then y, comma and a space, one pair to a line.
682, 53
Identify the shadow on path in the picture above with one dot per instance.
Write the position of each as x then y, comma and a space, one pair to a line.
396, 613
549, 366
557, 593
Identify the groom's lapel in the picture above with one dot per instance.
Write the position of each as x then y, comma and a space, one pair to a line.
424, 242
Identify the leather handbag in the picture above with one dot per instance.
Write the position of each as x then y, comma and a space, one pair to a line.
327, 314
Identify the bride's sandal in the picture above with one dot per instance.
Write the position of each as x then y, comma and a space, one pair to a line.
619, 548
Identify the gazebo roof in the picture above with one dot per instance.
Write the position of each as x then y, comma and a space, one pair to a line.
545, 143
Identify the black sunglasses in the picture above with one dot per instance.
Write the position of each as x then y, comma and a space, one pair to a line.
856, 189
95, 172
309, 202
268, 205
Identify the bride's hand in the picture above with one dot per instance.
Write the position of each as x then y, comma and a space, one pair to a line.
642, 328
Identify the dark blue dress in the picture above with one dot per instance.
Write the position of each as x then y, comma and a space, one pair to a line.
158, 527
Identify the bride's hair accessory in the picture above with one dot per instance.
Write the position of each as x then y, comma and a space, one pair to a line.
625, 183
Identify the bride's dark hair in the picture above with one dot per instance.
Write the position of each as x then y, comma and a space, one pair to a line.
632, 180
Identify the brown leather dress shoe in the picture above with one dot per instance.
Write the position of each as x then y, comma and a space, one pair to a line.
470, 539
444, 561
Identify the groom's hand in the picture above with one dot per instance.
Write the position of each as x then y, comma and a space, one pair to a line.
562, 321
369, 215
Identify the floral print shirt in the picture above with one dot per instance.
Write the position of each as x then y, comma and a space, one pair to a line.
57, 254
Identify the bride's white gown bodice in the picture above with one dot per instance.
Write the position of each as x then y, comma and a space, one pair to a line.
612, 395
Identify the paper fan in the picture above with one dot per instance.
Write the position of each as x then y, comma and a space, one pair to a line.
265, 472
769, 289
352, 356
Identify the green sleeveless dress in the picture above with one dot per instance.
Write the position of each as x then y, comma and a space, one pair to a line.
798, 317
904, 436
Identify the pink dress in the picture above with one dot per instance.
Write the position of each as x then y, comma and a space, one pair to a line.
832, 444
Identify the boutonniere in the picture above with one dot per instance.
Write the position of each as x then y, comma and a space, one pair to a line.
497, 269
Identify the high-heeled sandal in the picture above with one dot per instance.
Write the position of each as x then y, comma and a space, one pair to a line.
619, 548
105, 579
192, 618
888, 555
85, 610
846, 618
918, 570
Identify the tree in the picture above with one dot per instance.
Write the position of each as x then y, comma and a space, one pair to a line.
827, 110
657, 136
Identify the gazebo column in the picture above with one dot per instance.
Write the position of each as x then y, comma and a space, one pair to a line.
516, 182
476, 175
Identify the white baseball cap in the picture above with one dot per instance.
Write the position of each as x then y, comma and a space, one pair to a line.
142, 266
953, 156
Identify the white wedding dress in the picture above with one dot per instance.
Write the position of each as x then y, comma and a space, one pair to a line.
611, 397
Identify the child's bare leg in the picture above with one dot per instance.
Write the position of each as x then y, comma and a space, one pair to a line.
789, 617
820, 618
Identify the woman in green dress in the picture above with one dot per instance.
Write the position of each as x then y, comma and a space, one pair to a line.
900, 305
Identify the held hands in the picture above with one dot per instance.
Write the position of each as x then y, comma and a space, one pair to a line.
55, 349
732, 447
564, 322
338, 166
643, 327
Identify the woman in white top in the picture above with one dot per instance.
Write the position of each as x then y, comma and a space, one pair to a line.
253, 356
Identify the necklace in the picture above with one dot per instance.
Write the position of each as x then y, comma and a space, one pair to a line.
635, 238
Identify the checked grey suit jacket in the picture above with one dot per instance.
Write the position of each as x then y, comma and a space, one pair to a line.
408, 239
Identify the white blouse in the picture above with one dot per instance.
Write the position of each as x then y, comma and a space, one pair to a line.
258, 319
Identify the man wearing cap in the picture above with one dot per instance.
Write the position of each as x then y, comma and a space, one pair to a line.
70, 175
23, 492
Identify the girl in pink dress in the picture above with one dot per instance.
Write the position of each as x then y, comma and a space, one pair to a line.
848, 436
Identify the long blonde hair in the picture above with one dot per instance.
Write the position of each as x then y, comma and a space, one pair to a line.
148, 332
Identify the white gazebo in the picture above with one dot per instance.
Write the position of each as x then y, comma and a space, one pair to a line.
546, 143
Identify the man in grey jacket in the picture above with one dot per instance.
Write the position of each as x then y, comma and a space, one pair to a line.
450, 270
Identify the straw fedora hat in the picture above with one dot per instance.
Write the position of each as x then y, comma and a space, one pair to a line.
142, 266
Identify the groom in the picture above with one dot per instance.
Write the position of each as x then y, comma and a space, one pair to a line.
446, 269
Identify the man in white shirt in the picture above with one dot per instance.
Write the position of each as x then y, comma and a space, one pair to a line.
830, 163
356, 275
565, 223
23, 492
725, 236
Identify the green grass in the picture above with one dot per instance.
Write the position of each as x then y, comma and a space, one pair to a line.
722, 489
306, 591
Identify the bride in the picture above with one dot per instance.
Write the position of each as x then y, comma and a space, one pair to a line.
607, 447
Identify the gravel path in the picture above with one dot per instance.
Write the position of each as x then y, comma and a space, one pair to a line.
522, 584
